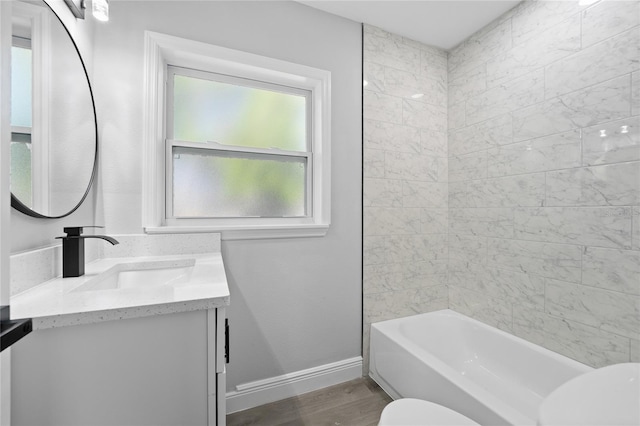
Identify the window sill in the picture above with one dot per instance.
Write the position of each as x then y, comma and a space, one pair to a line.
229, 233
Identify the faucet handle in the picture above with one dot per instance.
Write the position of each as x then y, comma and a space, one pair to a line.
75, 231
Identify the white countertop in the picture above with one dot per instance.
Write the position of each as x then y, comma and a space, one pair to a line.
80, 300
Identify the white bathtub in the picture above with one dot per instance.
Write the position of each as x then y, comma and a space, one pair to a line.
484, 373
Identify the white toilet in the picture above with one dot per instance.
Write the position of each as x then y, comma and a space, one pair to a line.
417, 412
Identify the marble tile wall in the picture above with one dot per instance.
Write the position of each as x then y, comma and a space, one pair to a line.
544, 177
406, 195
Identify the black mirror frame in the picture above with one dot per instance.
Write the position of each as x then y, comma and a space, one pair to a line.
19, 205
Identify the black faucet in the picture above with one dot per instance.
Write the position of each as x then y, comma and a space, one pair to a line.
73, 249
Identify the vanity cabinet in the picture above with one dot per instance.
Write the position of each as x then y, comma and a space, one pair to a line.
138, 340
155, 370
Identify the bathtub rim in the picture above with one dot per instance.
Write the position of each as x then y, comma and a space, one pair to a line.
390, 329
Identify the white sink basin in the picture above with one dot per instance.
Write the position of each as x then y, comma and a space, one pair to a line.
141, 275
608, 396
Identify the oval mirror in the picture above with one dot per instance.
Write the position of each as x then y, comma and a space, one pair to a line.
54, 140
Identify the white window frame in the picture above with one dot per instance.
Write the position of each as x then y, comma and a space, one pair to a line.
236, 151
162, 50
36, 20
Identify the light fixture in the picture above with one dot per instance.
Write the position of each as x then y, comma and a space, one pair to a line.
624, 129
364, 83
603, 133
417, 95
76, 7
100, 10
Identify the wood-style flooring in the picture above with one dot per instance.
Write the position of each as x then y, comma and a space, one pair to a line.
358, 402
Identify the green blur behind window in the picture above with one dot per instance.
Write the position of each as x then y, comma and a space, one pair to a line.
230, 114
210, 183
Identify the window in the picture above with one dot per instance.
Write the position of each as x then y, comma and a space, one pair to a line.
21, 122
238, 148
239, 143
30, 104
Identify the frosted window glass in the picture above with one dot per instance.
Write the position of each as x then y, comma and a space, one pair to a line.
211, 111
20, 86
21, 171
219, 184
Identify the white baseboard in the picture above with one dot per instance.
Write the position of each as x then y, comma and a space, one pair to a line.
253, 394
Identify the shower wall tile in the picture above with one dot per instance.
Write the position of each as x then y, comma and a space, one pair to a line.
456, 116
594, 226
477, 137
634, 350
609, 185
416, 248
402, 303
562, 261
424, 194
521, 92
472, 83
596, 104
434, 143
615, 56
373, 74
381, 107
405, 200
513, 287
466, 194
616, 270
581, 342
534, 17
492, 40
391, 220
382, 193
482, 221
374, 250
405, 84
619, 142
391, 137
555, 43
433, 62
435, 221
403, 276
424, 116
553, 152
635, 218
494, 312
515, 191
544, 177
467, 248
401, 165
388, 50
608, 18
635, 93
373, 163
468, 166
606, 310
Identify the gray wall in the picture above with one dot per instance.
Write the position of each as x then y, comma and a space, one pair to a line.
543, 219
295, 303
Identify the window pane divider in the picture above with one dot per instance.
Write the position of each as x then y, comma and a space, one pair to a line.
217, 146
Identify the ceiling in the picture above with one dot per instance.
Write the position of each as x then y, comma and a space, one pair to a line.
440, 23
